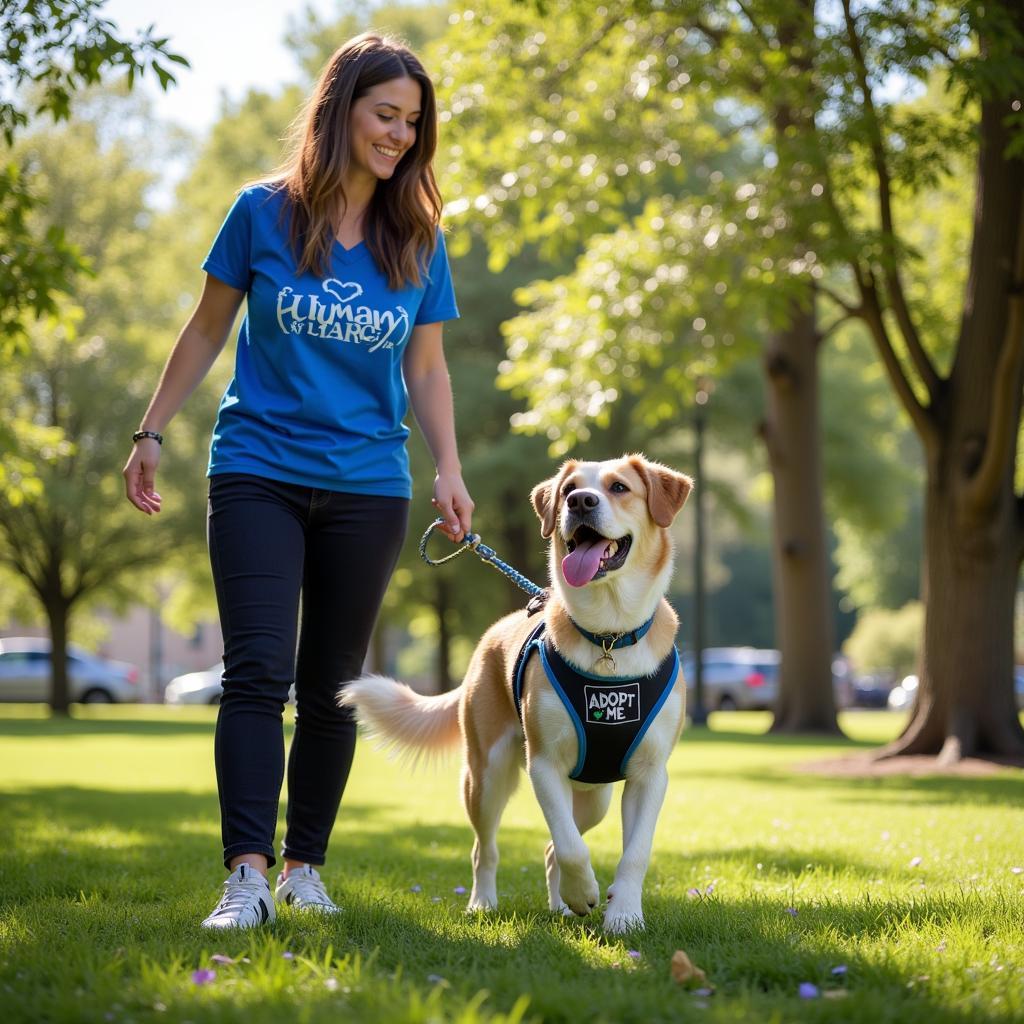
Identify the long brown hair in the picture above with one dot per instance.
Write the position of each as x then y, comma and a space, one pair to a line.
400, 226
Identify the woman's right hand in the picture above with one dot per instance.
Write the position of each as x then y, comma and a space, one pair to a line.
140, 475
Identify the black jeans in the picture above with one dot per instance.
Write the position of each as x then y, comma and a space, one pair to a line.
269, 543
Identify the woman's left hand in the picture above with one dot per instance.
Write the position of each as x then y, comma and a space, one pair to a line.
453, 504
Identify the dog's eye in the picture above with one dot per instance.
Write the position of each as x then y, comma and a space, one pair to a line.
568, 489
618, 488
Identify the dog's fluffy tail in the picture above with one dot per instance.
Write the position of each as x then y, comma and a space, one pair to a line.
402, 719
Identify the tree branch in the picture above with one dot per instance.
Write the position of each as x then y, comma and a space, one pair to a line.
1004, 414
893, 283
871, 312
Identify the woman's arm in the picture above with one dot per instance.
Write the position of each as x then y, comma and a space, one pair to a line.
430, 394
195, 351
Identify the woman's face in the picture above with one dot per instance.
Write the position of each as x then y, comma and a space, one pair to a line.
383, 127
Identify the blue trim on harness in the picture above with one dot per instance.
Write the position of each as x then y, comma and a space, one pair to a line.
654, 711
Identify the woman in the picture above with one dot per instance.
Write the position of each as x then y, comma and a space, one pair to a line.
343, 268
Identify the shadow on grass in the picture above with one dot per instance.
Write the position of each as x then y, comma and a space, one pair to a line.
58, 725
112, 897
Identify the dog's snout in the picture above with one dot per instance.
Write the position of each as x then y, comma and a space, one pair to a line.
582, 501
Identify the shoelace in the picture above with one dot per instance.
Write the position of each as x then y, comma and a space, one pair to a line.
239, 895
310, 890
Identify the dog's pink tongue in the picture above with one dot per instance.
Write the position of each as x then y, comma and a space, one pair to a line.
580, 566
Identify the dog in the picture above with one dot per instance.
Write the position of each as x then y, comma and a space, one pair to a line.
606, 622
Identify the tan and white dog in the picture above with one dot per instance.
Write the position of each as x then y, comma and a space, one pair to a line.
610, 562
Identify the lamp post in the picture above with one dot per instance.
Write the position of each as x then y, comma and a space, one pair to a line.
699, 711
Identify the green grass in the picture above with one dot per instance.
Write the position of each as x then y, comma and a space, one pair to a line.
112, 857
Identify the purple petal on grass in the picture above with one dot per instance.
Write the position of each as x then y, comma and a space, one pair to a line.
416, 888
1017, 871
914, 861
693, 892
203, 976
808, 991
839, 970
792, 911
634, 953
459, 890
435, 979
222, 958
710, 889
288, 955
703, 992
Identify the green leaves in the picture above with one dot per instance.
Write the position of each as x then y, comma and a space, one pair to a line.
48, 53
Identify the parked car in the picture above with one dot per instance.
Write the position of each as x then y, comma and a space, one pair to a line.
196, 687
872, 691
735, 678
202, 687
25, 674
902, 696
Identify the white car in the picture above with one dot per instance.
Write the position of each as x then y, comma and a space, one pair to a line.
25, 674
196, 687
202, 687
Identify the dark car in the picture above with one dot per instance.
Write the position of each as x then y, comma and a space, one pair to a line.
872, 691
25, 674
735, 678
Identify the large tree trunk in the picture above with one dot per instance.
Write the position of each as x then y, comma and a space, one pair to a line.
803, 618
973, 532
965, 703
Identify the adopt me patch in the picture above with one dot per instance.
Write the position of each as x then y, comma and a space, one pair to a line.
613, 705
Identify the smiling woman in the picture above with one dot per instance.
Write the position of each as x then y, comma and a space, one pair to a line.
341, 261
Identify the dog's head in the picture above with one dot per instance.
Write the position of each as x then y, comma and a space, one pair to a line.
609, 520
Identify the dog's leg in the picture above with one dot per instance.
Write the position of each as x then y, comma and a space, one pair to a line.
486, 789
641, 803
577, 884
589, 806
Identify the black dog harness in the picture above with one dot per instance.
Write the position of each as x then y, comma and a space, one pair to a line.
611, 714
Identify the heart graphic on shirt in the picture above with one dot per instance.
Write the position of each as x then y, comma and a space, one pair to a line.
354, 289
598, 714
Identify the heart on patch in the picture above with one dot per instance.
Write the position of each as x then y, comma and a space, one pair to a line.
598, 714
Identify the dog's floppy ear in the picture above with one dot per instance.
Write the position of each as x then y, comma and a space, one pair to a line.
667, 490
545, 499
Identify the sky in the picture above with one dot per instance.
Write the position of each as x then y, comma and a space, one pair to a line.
229, 50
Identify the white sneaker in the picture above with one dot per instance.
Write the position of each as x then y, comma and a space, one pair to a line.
303, 890
246, 902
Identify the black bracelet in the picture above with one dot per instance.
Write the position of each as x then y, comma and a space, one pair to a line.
140, 434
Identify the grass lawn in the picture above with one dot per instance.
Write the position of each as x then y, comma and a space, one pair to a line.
898, 899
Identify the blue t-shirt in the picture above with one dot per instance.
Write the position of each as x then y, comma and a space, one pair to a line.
317, 397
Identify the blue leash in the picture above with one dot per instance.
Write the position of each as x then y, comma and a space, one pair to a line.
472, 542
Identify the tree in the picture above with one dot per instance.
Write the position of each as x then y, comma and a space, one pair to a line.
48, 52
804, 81
967, 418
562, 141
68, 535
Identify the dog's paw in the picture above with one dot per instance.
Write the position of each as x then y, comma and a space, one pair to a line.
481, 903
618, 919
578, 888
